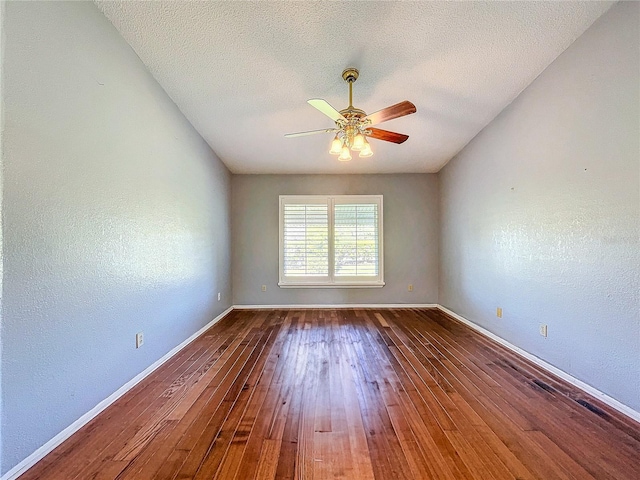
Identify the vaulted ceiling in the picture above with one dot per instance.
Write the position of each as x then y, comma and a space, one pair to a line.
241, 72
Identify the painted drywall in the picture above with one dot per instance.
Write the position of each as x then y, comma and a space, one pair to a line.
1, 196
410, 237
540, 214
116, 220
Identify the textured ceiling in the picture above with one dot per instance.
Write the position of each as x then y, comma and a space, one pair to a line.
242, 72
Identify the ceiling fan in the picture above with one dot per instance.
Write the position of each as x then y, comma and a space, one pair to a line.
353, 125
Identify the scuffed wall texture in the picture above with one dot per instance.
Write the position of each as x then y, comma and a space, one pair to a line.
116, 220
540, 213
410, 237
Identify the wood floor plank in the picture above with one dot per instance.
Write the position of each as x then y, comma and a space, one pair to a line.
466, 419
275, 402
211, 464
500, 420
428, 461
360, 454
204, 438
371, 380
547, 420
363, 394
241, 434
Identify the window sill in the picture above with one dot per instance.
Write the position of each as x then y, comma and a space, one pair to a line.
331, 285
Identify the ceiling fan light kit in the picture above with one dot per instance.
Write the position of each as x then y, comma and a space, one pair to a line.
353, 125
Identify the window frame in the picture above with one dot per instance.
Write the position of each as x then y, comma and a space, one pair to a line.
331, 281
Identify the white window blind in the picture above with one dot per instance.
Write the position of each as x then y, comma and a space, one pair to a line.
306, 240
356, 239
331, 241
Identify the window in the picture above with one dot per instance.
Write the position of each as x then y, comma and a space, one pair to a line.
331, 241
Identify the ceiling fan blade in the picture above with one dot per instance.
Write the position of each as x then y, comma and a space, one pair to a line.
394, 111
311, 132
387, 136
325, 108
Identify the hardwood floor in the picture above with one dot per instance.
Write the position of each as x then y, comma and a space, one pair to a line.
359, 394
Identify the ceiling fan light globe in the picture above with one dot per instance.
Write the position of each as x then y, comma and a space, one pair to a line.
366, 151
345, 154
358, 142
336, 146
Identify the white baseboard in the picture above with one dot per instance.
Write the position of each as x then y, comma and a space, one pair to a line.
41, 452
594, 392
342, 305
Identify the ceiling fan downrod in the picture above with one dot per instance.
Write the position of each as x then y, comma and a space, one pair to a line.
350, 75
351, 116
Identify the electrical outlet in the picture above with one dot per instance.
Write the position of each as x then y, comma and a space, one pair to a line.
139, 339
264, 288
410, 287
218, 296
543, 329
499, 312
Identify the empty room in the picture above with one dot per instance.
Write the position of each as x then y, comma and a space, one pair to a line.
320, 240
